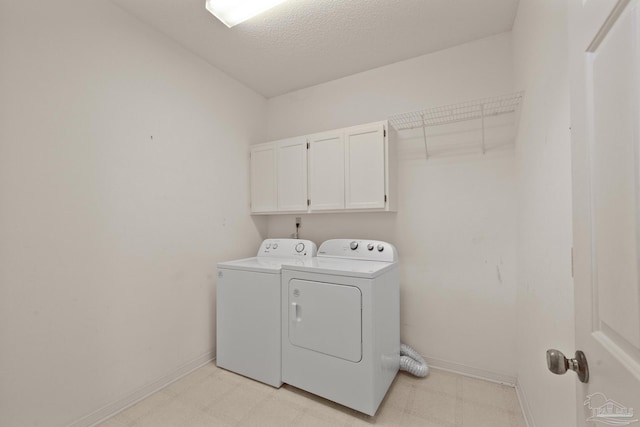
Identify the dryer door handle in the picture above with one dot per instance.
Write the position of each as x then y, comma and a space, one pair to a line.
296, 311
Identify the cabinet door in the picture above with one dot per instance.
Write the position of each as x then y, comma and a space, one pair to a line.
264, 191
292, 174
365, 167
326, 171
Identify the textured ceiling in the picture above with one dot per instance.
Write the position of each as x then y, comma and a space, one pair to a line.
302, 43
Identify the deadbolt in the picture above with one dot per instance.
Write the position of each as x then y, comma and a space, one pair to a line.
558, 364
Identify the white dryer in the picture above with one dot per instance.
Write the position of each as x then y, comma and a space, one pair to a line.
248, 325
341, 323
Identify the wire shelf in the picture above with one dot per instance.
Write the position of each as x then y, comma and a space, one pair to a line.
470, 110
478, 109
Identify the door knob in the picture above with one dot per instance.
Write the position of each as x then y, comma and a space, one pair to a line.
558, 364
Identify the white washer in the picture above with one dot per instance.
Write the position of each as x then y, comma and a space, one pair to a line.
341, 323
248, 325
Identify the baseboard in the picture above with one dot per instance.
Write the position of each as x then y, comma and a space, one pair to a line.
121, 404
524, 405
458, 368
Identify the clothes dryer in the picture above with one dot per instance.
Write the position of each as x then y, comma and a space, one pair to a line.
341, 323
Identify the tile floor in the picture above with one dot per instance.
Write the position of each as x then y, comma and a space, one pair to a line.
212, 397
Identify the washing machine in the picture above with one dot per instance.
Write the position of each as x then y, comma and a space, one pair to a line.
248, 325
341, 323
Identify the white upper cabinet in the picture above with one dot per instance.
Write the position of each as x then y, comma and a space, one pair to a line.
264, 191
364, 159
350, 169
279, 176
326, 171
292, 175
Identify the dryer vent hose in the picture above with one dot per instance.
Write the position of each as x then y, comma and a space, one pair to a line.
412, 362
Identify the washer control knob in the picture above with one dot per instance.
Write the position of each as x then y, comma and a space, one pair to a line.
370, 246
300, 247
380, 247
353, 245
268, 245
275, 246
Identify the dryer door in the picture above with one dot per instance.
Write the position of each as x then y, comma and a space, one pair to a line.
326, 318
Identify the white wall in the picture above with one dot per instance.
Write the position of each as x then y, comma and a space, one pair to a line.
455, 227
545, 286
123, 180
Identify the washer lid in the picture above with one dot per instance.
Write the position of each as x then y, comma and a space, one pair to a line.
260, 264
343, 267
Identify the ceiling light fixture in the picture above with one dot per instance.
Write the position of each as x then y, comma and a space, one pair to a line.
233, 12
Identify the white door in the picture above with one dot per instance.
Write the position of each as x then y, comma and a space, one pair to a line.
365, 167
326, 171
264, 191
605, 80
326, 318
292, 174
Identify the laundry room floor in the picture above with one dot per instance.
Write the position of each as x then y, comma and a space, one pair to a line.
212, 397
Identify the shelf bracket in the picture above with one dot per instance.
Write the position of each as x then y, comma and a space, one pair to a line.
424, 136
482, 118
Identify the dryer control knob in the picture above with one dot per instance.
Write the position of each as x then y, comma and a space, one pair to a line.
300, 247
275, 246
380, 247
353, 245
370, 246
